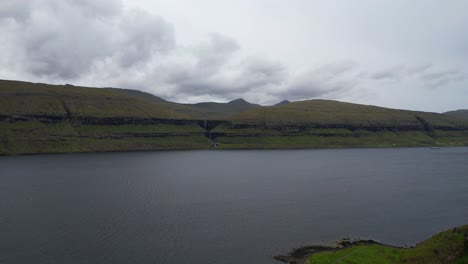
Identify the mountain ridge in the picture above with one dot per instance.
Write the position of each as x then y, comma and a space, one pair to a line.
42, 118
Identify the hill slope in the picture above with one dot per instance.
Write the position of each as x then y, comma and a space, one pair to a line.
326, 112
200, 111
324, 123
447, 247
41, 118
462, 114
22, 98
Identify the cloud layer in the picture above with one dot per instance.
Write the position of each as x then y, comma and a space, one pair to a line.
103, 43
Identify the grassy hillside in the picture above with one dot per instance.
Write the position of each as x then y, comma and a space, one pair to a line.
447, 247
200, 111
462, 114
22, 98
42, 118
328, 112
332, 124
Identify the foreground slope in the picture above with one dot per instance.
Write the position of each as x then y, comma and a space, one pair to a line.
447, 247
324, 123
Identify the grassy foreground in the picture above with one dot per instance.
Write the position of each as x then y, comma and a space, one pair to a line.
450, 246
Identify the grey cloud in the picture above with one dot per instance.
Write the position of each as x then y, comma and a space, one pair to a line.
98, 8
65, 39
323, 81
336, 69
249, 76
443, 77
216, 52
143, 35
418, 69
390, 73
14, 9
101, 43
440, 74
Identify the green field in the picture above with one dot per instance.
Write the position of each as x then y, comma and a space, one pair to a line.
450, 246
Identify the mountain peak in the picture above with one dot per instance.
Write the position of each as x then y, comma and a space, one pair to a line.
239, 101
283, 102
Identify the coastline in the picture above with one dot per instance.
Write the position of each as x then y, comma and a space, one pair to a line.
449, 246
431, 147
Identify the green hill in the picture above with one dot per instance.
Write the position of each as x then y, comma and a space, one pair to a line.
42, 118
22, 98
214, 111
324, 123
200, 111
326, 112
462, 114
447, 247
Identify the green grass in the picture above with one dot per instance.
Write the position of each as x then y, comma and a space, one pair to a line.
359, 255
339, 140
445, 247
305, 124
199, 111
461, 114
22, 98
64, 137
327, 112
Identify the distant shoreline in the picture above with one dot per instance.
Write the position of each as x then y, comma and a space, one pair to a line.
223, 149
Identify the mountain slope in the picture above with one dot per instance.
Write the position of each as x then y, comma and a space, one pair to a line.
326, 112
22, 98
462, 114
41, 118
325, 124
199, 111
214, 111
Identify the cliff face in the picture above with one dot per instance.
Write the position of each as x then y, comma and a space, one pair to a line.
334, 136
59, 134
39, 118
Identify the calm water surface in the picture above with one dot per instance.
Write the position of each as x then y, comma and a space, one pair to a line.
222, 206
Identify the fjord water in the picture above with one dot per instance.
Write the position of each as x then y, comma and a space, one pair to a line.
222, 206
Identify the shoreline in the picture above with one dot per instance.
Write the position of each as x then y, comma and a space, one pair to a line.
449, 246
301, 254
227, 149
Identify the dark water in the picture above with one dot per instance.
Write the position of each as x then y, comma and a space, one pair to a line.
222, 206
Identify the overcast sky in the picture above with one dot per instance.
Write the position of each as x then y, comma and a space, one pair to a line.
393, 53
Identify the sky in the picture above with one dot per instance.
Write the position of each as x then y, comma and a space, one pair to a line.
392, 53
